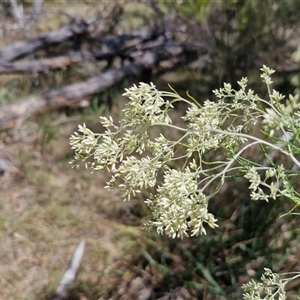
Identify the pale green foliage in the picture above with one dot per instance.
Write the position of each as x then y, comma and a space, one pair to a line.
213, 143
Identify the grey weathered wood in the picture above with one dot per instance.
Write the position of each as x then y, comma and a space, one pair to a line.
44, 64
23, 48
69, 275
18, 12
122, 45
15, 114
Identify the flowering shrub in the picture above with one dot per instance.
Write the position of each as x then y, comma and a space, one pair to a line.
140, 158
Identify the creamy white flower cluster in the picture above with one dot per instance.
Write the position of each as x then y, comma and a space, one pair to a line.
280, 125
179, 204
272, 286
187, 172
279, 185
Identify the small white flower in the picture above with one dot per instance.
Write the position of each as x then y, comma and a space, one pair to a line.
254, 178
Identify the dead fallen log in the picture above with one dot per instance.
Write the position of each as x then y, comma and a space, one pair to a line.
123, 45
45, 64
23, 48
61, 62
15, 114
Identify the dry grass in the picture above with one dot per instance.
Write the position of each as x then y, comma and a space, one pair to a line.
46, 209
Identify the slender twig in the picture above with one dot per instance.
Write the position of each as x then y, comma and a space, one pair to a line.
70, 274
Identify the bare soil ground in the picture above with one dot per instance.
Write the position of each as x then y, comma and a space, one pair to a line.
47, 208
